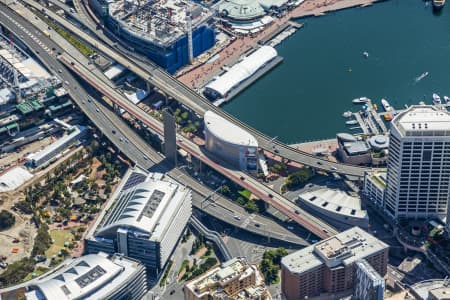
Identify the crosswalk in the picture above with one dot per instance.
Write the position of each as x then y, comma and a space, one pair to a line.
248, 220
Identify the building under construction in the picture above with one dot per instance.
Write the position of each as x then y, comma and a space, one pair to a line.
169, 32
28, 93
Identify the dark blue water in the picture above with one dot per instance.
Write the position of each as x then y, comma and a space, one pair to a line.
304, 97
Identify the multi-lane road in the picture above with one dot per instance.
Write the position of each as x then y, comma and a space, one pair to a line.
126, 140
315, 225
83, 69
172, 87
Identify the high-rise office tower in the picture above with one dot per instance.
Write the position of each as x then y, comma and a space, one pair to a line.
418, 174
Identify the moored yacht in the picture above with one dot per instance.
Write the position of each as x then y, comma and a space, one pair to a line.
436, 99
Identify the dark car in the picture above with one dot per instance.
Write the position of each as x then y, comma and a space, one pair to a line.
276, 151
257, 225
270, 195
113, 131
297, 211
172, 292
242, 178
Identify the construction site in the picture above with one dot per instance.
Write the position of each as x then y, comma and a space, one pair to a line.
29, 96
170, 32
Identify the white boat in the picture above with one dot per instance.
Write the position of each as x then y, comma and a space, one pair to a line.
347, 114
366, 54
360, 100
436, 99
421, 76
387, 107
351, 122
421, 103
447, 99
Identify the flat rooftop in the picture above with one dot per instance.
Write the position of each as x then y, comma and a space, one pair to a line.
160, 21
344, 248
227, 131
379, 178
211, 282
423, 120
355, 148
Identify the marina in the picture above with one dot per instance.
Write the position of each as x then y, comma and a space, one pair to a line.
370, 121
314, 78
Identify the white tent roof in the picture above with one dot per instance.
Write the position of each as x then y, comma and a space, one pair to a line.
241, 71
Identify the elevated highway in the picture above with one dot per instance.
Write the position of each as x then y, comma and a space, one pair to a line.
311, 223
172, 87
136, 149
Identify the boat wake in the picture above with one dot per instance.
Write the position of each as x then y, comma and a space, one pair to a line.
421, 76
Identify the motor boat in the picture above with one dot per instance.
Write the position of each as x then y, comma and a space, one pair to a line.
436, 99
347, 114
387, 107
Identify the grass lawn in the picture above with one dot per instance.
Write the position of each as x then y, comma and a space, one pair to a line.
38, 271
60, 236
245, 193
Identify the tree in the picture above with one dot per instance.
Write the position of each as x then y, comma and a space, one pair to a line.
241, 200
225, 190
41, 241
299, 177
7, 219
278, 168
251, 207
17, 271
184, 115
279, 254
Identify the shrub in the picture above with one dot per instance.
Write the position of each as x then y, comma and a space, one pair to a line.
7, 219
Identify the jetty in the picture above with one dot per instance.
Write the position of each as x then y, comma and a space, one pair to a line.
361, 123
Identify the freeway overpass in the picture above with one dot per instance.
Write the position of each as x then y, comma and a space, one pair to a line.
308, 221
107, 121
172, 87
83, 70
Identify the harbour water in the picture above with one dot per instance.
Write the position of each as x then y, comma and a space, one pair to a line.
324, 69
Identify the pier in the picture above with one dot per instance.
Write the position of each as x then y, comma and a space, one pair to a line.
281, 33
361, 123
373, 123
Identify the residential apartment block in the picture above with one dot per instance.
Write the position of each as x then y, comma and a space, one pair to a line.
235, 279
329, 265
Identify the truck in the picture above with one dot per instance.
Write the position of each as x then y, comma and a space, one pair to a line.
46, 33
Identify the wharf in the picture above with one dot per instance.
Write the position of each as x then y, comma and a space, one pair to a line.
289, 25
320, 9
379, 121
397, 111
361, 123
273, 34
295, 25
250, 80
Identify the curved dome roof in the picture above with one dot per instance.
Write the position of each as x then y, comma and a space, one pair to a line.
227, 131
379, 142
241, 9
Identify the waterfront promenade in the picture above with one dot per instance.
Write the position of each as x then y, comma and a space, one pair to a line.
199, 75
327, 147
